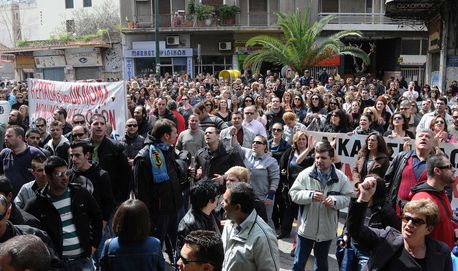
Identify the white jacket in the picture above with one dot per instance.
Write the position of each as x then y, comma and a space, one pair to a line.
318, 222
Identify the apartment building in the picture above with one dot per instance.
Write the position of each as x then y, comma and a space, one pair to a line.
190, 46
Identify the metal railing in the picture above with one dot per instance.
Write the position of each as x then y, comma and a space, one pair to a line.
254, 19
359, 18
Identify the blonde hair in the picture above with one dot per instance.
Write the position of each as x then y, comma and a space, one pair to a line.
240, 173
289, 116
424, 207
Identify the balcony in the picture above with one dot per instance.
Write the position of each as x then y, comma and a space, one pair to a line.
181, 22
364, 22
412, 9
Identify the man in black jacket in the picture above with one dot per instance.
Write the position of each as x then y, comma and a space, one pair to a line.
69, 215
111, 157
200, 217
156, 179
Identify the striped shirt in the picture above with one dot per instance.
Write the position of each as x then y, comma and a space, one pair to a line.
71, 244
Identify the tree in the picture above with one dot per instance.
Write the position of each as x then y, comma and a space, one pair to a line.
299, 47
88, 21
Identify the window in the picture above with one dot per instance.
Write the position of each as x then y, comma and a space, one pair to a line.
69, 4
329, 6
87, 3
410, 47
70, 24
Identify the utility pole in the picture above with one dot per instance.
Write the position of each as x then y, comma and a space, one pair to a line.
156, 36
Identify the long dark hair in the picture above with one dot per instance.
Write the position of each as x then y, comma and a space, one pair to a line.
381, 145
131, 222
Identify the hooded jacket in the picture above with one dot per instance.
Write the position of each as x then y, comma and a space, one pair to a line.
61, 149
444, 230
160, 198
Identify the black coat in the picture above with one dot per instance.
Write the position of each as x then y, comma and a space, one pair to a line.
384, 244
160, 198
112, 158
87, 218
196, 220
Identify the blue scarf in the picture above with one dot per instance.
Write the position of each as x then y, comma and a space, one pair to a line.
158, 164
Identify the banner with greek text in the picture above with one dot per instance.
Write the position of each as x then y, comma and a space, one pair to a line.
347, 147
106, 98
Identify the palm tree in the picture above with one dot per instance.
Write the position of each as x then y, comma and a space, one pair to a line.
299, 48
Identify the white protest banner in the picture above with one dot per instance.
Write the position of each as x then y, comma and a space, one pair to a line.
347, 147
106, 98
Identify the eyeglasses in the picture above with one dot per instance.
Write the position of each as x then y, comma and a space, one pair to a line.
415, 220
208, 104
62, 173
315, 98
188, 261
258, 142
249, 113
79, 122
439, 122
397, 118
335, 115
333, 103
297, 99
131, 125
78, 135
449, 166
277, 130
184, 99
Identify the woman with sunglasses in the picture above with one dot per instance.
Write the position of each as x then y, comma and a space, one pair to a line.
297, 158
398, 127
132, 248
264, 169
439, 127
247, 101
316, 112
299, 107
185, 109
338, 122
389, 249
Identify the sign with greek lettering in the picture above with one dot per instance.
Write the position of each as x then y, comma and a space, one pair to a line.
347, 147
106, 98
166, 52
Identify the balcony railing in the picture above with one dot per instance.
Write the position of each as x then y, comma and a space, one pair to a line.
177, 20
359, 18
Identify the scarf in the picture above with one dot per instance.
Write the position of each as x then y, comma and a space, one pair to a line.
158, 164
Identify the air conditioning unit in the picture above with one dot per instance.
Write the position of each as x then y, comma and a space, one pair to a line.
173, 40
224, 46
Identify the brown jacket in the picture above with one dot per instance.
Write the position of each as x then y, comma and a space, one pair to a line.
379, 167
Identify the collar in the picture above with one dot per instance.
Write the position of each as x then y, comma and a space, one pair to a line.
244, 228
333, 178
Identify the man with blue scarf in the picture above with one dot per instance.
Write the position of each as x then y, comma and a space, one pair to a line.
156, 180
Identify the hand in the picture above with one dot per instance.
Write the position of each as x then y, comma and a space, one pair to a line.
283, 172
268, 202
199, 173
218, 178
367, 189
407, 146
318, 197
328, 202
233, 131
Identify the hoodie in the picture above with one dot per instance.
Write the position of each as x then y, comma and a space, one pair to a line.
444, 230
61, 149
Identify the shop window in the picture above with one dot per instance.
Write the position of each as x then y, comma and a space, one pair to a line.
410, 47
330, 6
70, 25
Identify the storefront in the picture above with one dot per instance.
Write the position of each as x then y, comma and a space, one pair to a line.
143, 61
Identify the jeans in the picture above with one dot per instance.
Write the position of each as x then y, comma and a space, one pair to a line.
303, 250
82, 264
269, 211
362, 256
106, 234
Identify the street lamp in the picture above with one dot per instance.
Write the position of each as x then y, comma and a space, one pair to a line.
156, 35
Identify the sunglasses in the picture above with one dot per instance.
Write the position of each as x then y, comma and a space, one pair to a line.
62, 173
314, 98
249, 113
333, 103
184, 99
208, 104
40, 125
439, 122
258, 142
334, 115
449, 166
249, 101
415, 220
188, 261
131, 125
397, 118
79, 122
277, 130
297, 99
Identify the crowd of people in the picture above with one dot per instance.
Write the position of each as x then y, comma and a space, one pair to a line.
213, 172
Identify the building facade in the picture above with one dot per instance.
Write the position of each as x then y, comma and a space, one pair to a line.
214, 44
442, 40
